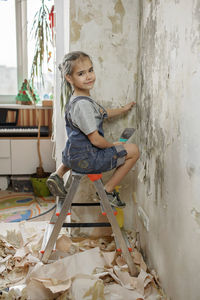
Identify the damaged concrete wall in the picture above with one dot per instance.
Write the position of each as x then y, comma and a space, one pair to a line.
108, 32
169, 139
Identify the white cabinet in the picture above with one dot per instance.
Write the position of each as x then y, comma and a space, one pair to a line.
5, 157
20, 156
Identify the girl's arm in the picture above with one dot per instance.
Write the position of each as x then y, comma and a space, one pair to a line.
98, 140
118, 111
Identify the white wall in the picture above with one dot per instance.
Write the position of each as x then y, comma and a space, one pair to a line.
62, 47
168, 121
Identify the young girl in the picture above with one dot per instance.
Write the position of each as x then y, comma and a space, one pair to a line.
86, 150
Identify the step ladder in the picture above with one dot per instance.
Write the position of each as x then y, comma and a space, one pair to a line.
64, 207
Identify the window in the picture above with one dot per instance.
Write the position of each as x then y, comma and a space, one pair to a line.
8, 51
16, 51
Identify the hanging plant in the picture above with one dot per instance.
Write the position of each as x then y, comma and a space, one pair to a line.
42, 36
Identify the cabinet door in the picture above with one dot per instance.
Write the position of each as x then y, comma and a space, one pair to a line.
25, 156
5, 157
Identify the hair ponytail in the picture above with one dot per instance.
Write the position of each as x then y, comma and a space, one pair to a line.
65, 89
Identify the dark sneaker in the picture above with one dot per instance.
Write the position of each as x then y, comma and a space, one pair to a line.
115, 200
56, 185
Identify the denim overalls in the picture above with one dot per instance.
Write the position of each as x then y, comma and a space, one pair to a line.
81, 156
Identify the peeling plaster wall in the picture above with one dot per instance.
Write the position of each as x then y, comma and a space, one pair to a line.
168, 123
108, 32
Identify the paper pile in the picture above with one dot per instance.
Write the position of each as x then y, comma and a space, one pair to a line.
87, 269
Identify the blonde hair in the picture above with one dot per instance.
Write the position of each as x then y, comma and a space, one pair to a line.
66, 68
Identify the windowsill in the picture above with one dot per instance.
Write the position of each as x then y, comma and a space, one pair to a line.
21, 106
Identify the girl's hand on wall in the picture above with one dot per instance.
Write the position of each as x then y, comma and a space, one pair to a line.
128, 106
119, 111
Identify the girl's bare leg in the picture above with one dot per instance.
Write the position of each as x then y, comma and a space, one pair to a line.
131, 158
62, 169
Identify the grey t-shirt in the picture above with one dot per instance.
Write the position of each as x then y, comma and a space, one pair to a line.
86, 115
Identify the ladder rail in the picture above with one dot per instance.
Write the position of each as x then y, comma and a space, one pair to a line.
119, 239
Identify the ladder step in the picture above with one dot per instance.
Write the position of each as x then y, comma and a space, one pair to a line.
87, 204
60, 204
101, 224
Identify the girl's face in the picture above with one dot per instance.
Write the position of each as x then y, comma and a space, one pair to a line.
83, 77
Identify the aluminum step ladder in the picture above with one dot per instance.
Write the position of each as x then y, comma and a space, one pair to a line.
58, 220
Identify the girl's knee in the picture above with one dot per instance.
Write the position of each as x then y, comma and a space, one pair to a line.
132, 150
135, 149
